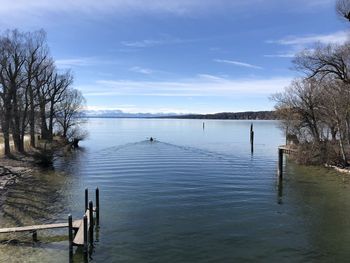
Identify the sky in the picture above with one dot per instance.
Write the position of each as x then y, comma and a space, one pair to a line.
178, 56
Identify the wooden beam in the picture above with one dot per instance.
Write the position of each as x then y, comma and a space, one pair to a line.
76, 224
79, 237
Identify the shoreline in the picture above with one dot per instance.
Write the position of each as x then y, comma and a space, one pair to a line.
11, 170
338, 169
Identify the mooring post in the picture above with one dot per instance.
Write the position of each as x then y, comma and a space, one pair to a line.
70, 231
251, 138
35, 236
280, 190
91, 224
280, 163
86, 199
85, 235
97, 206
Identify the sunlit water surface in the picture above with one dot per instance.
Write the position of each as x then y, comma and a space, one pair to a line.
193, 195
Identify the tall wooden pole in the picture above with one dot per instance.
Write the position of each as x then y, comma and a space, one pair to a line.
86, 199
70, 232
85, 235
97, 206
251, 138
91, 222
280, 163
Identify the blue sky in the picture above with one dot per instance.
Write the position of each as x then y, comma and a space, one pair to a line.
198, 56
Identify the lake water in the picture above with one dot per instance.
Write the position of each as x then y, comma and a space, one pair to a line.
193, 195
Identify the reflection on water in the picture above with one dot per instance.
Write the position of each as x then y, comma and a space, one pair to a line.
194, 195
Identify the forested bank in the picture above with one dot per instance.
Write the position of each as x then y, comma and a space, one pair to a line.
248, 115
315, 108
36, 97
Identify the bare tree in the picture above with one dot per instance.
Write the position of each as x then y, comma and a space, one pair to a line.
335, 112
56, 94
37, 55
343, 8
12, 58
31, 90
300, 104
69, 115
43, 81
323, 61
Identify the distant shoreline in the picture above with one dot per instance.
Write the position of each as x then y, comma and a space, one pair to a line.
248, 115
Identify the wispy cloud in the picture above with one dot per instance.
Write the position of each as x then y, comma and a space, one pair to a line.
142, 43
179, 6
281, 55
75, 62
295, 44
27, 11
200, 86
210, 77
237, 63
83, 62
167, 40
339, 37
141, 70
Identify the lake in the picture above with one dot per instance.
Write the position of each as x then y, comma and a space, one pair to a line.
192, 195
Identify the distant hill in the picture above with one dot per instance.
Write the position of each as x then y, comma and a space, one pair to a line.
121, 114
248, 115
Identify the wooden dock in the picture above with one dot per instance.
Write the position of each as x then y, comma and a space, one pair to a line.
76, 225
79, 231
287, 149
283, 149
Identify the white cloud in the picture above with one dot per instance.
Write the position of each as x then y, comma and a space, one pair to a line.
237, 63
200, 86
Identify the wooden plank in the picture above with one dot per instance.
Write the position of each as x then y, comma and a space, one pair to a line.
77, 223
287, 149
79, 237
32, 228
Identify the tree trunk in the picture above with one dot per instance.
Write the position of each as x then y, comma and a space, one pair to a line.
342, 150
32, 118
6, 132
51, 115
43, 124
16, 125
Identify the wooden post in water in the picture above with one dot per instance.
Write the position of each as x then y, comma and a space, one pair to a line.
279, 191
280, 163
251, 138
86, 199
97, 206
70, 232
35, 236
91, 223
85, 235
